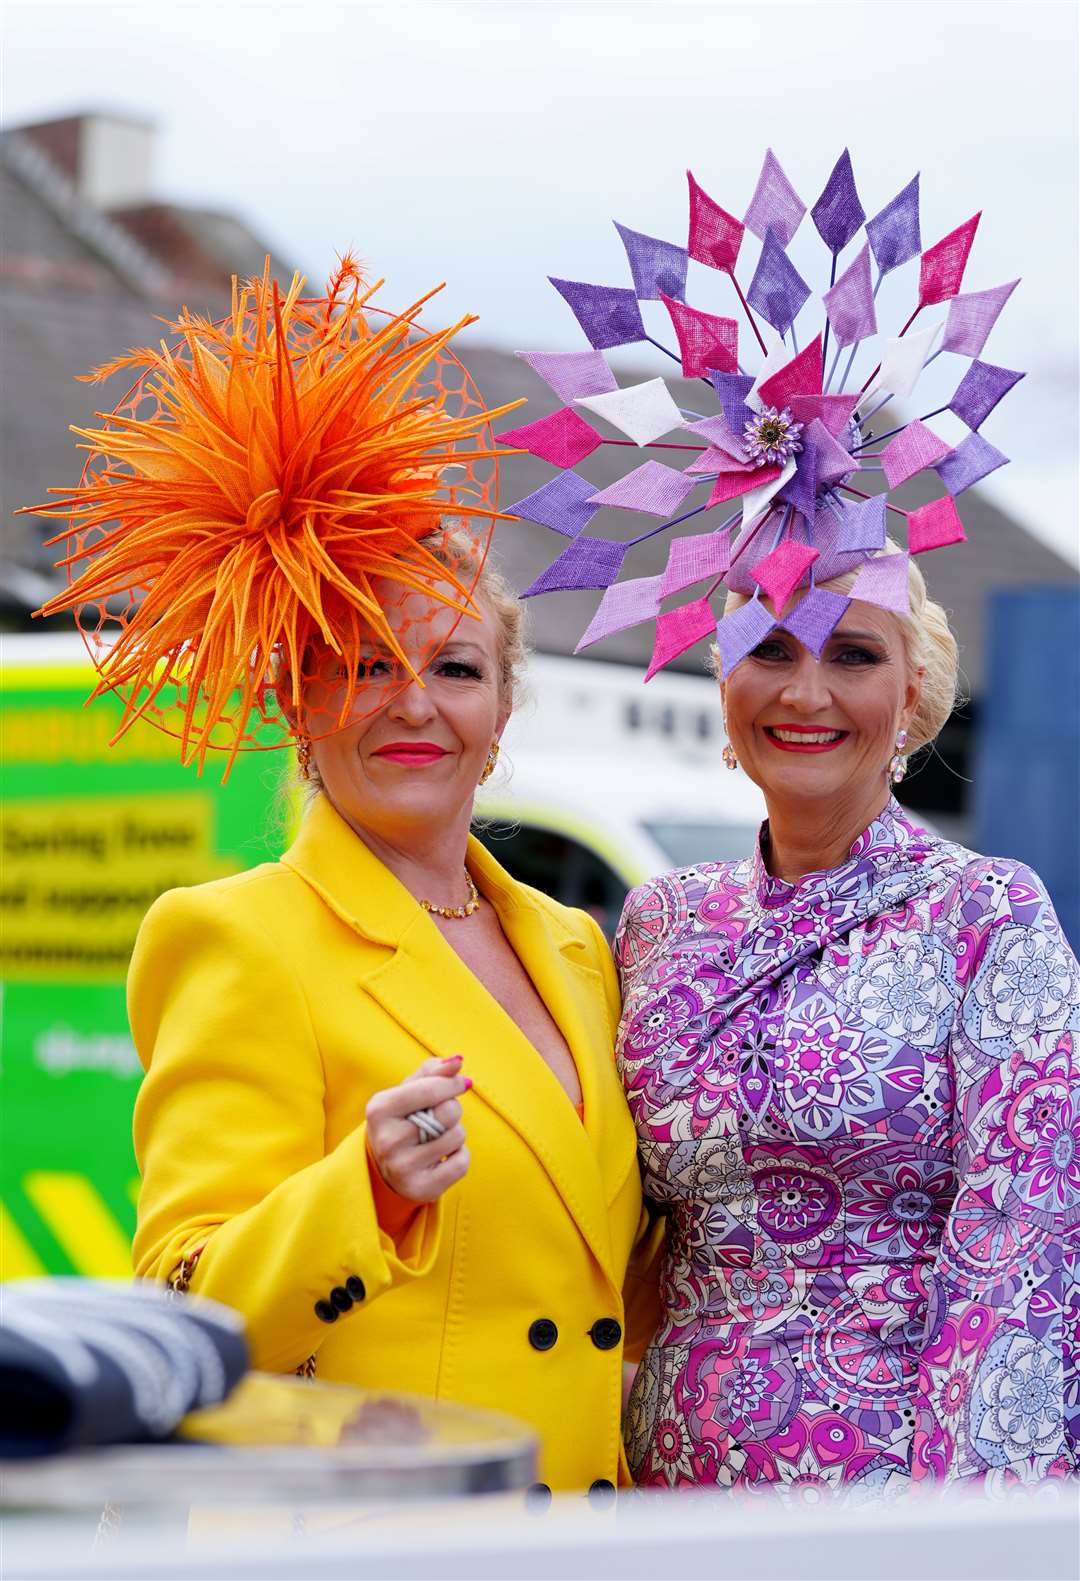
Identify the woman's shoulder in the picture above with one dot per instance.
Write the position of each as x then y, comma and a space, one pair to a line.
659, 907
1000, 887
244, 901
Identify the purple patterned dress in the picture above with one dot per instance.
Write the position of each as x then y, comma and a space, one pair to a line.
858, 1101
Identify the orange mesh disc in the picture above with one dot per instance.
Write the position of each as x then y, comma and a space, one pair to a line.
265, 488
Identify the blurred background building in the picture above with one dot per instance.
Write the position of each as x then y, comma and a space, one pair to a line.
93, 257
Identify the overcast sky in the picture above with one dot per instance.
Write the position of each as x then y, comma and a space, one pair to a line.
490, 144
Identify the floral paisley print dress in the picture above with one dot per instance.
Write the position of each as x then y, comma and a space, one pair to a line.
857, 1100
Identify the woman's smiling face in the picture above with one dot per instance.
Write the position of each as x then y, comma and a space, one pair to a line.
822, 730
412, 765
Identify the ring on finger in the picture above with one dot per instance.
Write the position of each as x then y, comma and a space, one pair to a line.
427, 1123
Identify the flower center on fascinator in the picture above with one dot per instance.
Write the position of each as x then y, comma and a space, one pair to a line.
772, 437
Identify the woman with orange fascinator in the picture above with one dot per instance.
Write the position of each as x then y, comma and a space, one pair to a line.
380, 1116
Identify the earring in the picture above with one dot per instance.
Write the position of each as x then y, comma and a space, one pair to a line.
303, 756
489, 766
898, 763
728, 755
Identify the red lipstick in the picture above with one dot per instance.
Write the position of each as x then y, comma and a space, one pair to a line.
411, 754
817, 738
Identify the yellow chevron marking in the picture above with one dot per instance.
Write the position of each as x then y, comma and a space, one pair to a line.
81, 1223
18, 1260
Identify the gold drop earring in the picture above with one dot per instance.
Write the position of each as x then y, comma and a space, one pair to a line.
489, 766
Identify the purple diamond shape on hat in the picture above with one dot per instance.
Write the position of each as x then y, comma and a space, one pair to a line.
625, 604
740, 632
563, 438
850, 302
775, 205
862, 525
815, 617
705, 341
972, 317
973, 459
654, 488
801, 489
894, 230
979, 391
884, 581
914, 448
565, 505
586, 563
834, 411
832, 462
732, 390
678, 630
934, 526
659, 268
715, 235
777, 291
571, 373
711, 461
942, 266
782, 570
837, 214
608, 314
717, 434
694, 558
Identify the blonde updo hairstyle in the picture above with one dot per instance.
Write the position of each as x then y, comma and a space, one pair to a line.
493, 592
929, 645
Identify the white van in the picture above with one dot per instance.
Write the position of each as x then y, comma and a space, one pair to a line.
605, 780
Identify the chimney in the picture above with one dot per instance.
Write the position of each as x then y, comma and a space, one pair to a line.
107, 157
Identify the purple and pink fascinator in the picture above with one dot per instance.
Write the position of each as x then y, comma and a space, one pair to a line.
769, 472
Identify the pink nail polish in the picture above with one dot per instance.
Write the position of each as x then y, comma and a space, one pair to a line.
468, 1083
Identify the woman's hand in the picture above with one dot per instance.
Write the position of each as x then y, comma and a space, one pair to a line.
418, 1170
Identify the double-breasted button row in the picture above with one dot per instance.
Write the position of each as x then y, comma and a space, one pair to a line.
341, 1299
605, 1333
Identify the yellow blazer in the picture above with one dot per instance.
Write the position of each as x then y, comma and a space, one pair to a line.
266, 1008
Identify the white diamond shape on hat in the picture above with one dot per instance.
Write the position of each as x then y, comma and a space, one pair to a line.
643, 412
901, 363
758, 499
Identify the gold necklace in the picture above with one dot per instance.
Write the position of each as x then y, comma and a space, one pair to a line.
456, 912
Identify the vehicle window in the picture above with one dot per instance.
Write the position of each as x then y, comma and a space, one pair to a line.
563, 868
687, 843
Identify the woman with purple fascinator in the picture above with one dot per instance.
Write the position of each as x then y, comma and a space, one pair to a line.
851, 1057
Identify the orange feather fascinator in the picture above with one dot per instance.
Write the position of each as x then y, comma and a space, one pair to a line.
258, 486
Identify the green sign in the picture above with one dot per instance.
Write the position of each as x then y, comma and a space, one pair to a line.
90, 835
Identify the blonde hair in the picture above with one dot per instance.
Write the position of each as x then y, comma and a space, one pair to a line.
928, 642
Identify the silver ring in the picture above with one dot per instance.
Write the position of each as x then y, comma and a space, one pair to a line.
428, 1124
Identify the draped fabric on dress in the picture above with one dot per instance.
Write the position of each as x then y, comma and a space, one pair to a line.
857, 1099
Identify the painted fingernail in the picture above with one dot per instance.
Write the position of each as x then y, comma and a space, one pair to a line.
451, 1059
468, 1082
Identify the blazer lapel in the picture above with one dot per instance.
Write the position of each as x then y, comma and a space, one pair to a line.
425, 986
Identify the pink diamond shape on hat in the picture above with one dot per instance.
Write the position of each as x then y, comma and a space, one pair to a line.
941, 268
729, 485
803, 375
914, 448
935, 525
833, 410
624, 604
711, 461
654, 488
678, 630
715, 235
781, 571
563, 438
884, 581
705, 341
694, 558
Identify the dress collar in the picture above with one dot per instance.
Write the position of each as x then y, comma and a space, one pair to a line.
889, 842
